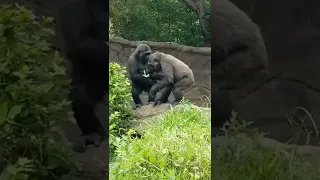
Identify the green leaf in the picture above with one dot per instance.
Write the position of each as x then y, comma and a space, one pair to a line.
179, 161
162, 163
24, 161
152, 157
16, 109
46, 87
144, 153
3, 112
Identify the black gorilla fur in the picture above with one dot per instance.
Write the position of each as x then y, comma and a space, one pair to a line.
237, 45
137, 65
84, 46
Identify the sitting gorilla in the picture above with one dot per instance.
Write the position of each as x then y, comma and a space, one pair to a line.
155, 73
239, 57
137, 66
177, 75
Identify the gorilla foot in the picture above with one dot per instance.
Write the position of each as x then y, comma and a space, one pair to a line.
79, 147
136, 106
150, 102
158, 103
174, 103
85, 140
154, 103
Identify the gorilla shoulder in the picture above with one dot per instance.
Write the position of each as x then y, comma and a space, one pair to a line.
172, 68
232, 29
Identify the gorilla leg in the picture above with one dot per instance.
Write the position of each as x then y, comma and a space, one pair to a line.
179, 86
221, 108
136, 91
165, 93
178, 95
84, 97
160, 85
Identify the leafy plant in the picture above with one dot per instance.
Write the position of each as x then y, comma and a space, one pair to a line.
19, 171
175, 145
32, 92
120, 111
158, 20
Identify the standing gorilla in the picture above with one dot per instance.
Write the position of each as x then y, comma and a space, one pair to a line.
137, 65
177, 75
82, 33
239, 57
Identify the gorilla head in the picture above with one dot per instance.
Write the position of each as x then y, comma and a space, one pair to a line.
142, 53
154, 60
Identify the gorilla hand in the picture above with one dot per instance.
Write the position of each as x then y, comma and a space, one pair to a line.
151, 82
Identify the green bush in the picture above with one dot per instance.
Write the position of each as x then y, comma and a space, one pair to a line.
32, 88
175, 145
166, 21
120, 111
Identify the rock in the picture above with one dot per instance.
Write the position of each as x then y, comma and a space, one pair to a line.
148, 111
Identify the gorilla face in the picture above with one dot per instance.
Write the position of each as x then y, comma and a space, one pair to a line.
153, 60
152, 69
142, 53
144, 56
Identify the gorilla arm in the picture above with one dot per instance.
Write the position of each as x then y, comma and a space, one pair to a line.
76, 23
157, 76
167, 70
167, 80
134, 74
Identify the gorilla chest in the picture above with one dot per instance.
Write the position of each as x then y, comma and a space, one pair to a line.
100, 15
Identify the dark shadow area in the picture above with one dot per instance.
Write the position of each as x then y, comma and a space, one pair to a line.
286, 102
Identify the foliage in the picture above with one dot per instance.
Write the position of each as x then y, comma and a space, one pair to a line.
18, 171
241, 157
32, 84
158, 20
176, 145
120, 111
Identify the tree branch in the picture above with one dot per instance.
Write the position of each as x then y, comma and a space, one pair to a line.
198, 7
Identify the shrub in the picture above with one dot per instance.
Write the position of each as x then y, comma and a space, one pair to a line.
32, 85
175, 145
120, 111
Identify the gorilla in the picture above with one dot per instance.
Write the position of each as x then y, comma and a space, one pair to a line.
82, 32
239, 57
137, 66
177, 75
155, 73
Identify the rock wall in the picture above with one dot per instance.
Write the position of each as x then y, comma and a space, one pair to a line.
197, 58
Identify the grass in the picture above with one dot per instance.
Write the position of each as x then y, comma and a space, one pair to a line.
175, 145
242, 157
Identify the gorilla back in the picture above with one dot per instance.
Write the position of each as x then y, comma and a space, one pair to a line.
239, 57
177, 74
237, 43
